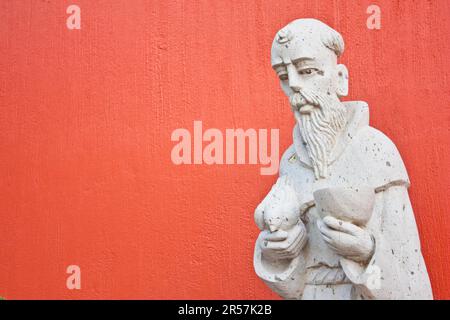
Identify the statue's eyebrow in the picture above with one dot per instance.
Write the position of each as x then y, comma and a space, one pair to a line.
278, 65
302, 59
295, 61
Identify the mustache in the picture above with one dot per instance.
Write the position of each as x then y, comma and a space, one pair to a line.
305, 97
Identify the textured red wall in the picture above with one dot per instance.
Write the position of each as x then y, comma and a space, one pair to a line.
86, 118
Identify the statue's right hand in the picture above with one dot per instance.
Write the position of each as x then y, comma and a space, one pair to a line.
283, 244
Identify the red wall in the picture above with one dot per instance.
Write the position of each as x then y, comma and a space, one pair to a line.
86, 118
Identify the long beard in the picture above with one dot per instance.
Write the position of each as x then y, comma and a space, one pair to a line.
320, 127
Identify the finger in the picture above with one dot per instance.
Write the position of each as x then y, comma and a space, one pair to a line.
276, 245
326, 231
303, 239
292, 253
337, 249
320, 225
343, 248
354, 257
300, 237
334, 248
326, 238
294, 249
270, 255
339, 239
276, 236
294, 243
340, 225
289, 256
284, 245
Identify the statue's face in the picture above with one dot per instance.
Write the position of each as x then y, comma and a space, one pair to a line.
313, 81
302, 62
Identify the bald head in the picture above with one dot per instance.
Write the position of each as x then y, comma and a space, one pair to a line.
305, 54
301, 34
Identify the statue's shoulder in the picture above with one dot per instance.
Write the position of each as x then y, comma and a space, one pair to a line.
291, 165
381, 156
287, 158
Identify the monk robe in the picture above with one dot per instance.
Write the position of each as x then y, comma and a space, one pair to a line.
363, 156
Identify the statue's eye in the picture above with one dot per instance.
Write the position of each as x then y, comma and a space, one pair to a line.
283, 76
308, 71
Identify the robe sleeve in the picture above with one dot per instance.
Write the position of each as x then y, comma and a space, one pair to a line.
287, 278
396, 269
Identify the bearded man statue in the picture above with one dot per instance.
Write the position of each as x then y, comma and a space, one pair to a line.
353, 233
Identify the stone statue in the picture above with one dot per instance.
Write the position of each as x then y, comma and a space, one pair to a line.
338, 223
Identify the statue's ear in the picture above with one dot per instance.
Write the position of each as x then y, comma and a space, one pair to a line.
342, 81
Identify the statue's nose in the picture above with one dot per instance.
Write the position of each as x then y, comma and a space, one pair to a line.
295, 83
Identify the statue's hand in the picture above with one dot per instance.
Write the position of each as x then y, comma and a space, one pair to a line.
347, 239
283, 244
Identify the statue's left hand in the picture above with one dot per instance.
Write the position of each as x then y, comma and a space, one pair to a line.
347, 239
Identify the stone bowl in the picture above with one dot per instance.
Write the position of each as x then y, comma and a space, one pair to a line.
353, 205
